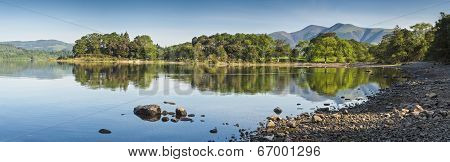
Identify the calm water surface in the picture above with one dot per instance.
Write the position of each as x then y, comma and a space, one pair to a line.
42, 101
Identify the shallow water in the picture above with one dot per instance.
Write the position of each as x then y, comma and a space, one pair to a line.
65, 102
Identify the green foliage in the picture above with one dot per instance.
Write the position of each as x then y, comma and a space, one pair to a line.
439, 50
142, 47
225, 47
115, 45
404, 45
327, 47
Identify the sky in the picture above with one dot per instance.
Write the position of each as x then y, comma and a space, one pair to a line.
170, 22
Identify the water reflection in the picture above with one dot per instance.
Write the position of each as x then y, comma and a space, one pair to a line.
235, 80
38, 69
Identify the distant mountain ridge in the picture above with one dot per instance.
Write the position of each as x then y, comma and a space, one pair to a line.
345, 31
44, 45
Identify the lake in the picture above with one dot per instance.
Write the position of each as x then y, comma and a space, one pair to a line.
49, 101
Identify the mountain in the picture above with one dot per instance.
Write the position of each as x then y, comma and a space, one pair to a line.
345, 31
43, 45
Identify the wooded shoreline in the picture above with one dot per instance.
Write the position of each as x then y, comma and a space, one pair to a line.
280, 64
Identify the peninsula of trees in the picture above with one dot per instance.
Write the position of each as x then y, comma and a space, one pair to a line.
421, 41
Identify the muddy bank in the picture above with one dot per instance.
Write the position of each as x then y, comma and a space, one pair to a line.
413, 110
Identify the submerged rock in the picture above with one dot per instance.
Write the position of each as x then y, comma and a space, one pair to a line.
213, 131
169, 102
174, 120
104, 131
164, 119
186, 119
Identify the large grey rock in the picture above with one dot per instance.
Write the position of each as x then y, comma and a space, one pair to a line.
150, 113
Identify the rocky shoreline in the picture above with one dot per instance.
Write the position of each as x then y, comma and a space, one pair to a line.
413, 110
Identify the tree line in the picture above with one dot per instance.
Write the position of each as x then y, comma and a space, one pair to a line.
423, 41
115, 45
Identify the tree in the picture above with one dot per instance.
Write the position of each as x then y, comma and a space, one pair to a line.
80, 46
439, 50
143, 47
222, 54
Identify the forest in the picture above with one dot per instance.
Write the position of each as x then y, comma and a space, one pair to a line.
422, 41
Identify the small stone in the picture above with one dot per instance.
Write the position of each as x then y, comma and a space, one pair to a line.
281, 134
274, 118
291, 124
186, 119
389, 107
325, 109
191, 115
174, 120
415, 114
417, 108
269, 138
202, 116
164, 113
270, 124
336, 116
213, 131
316, 119
277, 110
431, 95
104, 131
326, 104
164, 119
169, 102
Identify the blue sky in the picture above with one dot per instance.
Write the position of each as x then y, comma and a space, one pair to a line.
170, 22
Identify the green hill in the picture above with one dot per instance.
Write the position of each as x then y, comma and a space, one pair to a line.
11, 52
43, 45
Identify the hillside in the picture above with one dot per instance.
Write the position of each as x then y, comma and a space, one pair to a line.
11, 52
345, 31
44, 45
